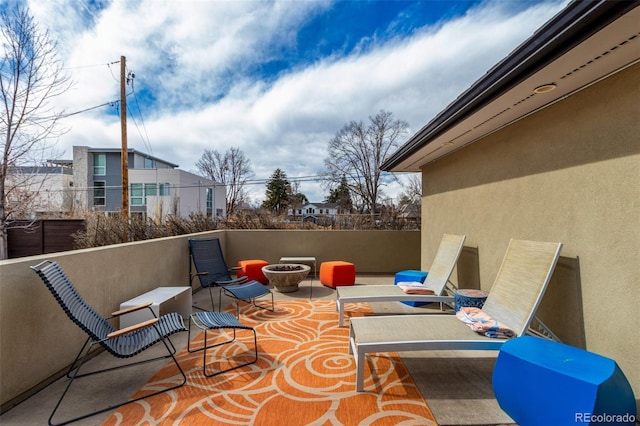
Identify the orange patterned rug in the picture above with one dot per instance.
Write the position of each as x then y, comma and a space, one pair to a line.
304, 376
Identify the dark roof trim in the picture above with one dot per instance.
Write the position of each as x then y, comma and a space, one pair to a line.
574, 24
133, 151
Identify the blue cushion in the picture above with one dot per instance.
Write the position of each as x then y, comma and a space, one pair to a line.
411, 276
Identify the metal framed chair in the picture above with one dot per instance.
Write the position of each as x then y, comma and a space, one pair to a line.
208, 321
514, 297
123, 343
212, 271
437, 280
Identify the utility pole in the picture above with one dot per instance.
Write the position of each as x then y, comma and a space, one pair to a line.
124, 156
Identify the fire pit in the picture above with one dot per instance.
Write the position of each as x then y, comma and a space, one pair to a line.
285, 277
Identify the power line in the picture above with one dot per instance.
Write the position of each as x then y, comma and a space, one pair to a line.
90, 66
54, 117
111, 103
146, 140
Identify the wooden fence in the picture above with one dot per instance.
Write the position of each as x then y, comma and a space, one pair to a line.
43, 236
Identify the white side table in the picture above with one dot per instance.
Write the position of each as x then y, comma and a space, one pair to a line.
164, 299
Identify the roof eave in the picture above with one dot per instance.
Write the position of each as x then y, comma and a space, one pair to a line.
567, 29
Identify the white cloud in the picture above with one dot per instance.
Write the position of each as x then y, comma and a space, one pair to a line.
195, 58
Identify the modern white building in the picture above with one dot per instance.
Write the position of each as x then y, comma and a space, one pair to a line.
92, 181
32, 191
157, 188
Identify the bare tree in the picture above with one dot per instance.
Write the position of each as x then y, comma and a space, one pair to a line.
356, 153
413, 188
31, 75
410, 199
231, 169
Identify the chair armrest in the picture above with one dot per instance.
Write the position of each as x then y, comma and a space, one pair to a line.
134, 327
131, 309
235, 268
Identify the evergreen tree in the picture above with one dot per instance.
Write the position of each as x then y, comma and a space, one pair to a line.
278, 192
341, 196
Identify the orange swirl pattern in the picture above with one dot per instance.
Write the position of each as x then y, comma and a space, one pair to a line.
304, 376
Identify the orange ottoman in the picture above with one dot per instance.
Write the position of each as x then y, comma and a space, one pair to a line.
337, 272
253, 270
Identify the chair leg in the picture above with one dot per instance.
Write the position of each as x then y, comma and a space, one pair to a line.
82, 358
252, 301
204, 354
204, 346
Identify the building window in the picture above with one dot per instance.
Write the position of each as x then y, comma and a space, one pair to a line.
150, 189
209, 200
149, 163
100, 164
99, 193
137, 194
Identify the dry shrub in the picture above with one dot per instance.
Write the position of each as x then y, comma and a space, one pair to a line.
102, 230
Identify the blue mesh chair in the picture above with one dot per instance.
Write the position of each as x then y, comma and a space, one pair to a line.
123, 343
209, 321
212, 271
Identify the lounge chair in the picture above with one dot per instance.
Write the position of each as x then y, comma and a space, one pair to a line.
211, 269
437, 279
513, 300
123, 343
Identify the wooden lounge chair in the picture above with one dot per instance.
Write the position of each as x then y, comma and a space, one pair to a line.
513, 300
439, 274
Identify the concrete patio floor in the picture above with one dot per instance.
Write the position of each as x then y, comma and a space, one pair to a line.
455, 384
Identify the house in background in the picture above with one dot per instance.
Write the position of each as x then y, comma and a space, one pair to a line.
546, 146
156, 187
317, 212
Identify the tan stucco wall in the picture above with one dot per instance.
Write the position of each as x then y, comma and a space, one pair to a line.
373, 252
37, 340
568, 173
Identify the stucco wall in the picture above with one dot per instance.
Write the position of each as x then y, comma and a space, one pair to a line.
568, 173
37, 340
372, 252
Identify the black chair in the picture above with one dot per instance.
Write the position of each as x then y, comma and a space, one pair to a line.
219, 321
212, 271
124, 343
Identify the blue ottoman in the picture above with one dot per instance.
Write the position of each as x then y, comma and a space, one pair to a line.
469, 298
411, 276
538, 381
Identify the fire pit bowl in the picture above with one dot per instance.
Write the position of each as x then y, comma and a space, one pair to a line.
285, 277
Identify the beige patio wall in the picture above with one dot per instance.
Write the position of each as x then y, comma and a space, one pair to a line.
37, 340
568, 173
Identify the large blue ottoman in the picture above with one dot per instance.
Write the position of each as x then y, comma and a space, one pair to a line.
541, 382
411, 276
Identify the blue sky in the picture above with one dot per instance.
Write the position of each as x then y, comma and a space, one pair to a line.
277, 79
